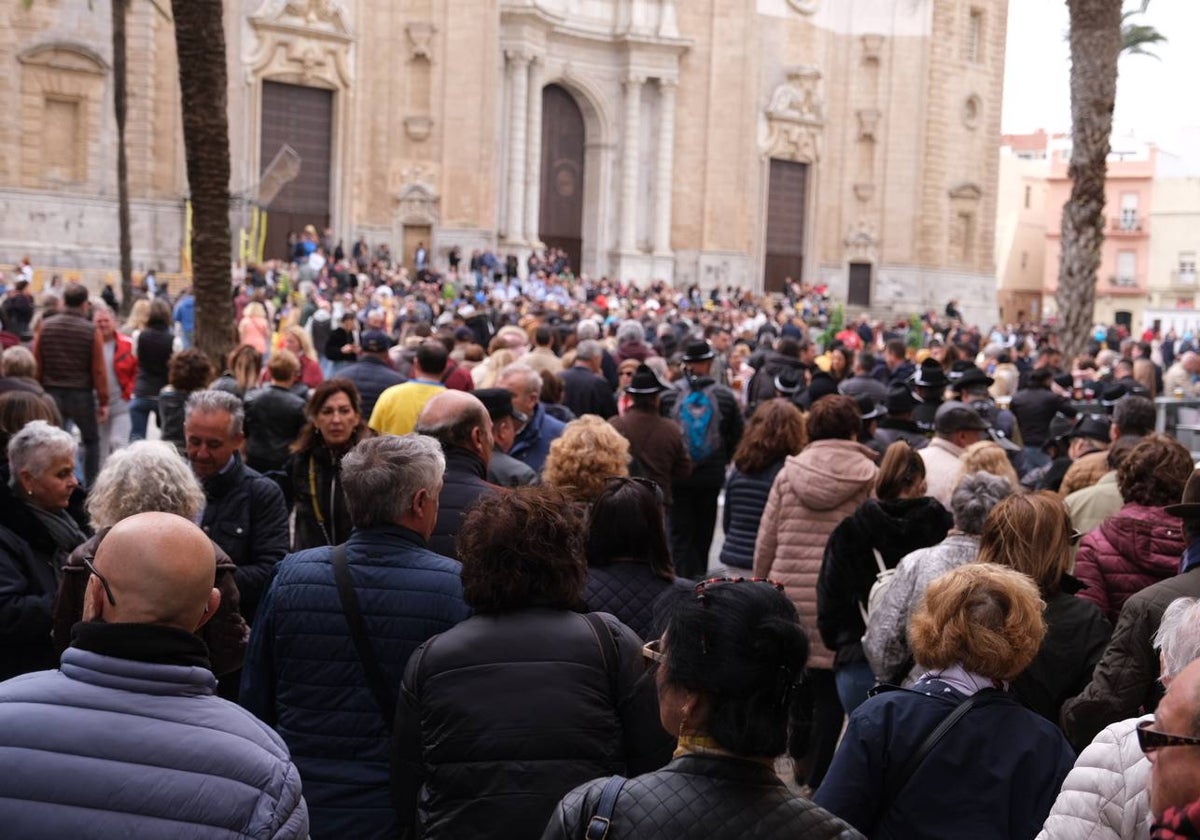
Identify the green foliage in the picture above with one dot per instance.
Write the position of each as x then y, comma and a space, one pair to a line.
837, 322
916, 332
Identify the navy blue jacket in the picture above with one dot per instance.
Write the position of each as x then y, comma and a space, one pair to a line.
993, 776
303, 676
632, 592
463, 484
745, 499
532, 445
372, 377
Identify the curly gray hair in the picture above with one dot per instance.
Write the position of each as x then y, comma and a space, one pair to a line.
974, 497
145, 476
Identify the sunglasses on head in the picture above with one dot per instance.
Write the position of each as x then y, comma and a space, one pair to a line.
648, 483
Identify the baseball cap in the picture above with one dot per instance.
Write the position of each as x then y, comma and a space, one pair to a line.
375, 341
954, 416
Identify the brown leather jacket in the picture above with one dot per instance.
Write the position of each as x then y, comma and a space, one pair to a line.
226, 633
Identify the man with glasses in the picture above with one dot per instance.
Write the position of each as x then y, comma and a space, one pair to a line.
133, 719
1172, 743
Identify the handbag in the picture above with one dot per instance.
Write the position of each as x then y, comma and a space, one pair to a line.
376, 680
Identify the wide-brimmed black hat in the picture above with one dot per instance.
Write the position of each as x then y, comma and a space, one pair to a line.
1061, 427
822, 385
1189, 508
899, 399
972, 376
646, 381
698, 351
1094, 426
959, 367
930, 375
789, 382
868, 409
498, 402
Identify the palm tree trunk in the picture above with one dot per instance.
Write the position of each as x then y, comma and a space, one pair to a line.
200, 42
1095, 48
120, 100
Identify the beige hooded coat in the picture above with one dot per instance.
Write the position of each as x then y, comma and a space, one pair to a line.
812, 494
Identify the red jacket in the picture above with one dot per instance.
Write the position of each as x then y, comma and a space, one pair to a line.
1133, 548
125, 365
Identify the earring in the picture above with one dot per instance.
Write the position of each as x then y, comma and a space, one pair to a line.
683, 722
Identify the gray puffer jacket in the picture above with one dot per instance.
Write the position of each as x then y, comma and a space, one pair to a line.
112, 747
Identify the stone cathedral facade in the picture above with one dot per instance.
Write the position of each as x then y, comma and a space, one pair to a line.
733, 142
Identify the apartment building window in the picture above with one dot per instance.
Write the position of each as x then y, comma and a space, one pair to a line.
1126, 268
973, 48
1187, 267
1129, 211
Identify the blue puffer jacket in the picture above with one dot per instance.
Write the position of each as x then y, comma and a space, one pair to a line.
111, 747
745, 499
303, 676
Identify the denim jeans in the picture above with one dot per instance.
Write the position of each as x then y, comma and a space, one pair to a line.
853, 680
78, 406
140, 409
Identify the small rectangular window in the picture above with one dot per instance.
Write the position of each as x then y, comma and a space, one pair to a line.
1127, 268
1187, 267
973, 47
60, 140
1028, 195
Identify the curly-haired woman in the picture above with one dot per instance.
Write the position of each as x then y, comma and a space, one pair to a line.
584, 457
565, 699
1141, 544
189, 370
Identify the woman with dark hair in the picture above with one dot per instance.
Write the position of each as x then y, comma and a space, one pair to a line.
1141, 543
629, 564
996, 769
774, 431
841, 363
551, 397
726, 668
900, 519
153, 350
503, 714
189, 370
335, 425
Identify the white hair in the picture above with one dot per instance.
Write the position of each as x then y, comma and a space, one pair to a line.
630, 331
146, 476
210, 402
381, 476
521, 372
587, 329
1178, 636
36, 445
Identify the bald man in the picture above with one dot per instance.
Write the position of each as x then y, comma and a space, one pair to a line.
461, 424
133, 718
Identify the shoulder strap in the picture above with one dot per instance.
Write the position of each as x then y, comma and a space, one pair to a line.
879, 560
601, 821
895, 784
376, 680
608, 651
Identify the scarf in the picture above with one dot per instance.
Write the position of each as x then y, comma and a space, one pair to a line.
64, 530
696, 744
1178, 823
963, 681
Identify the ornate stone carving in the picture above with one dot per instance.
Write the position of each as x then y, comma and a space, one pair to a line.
862, 243
312, 17
420, 39
418, 127
966, 191
796, 116
417, 202
868, 123
307, 41
805, 7
872, 48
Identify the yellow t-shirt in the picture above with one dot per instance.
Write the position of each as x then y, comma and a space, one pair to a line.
397, 409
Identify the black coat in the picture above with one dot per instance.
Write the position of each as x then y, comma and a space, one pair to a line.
463, 484
889, 431
245, 514
762, 383
586, 393
1034, 408
701, 796
331, 499
848, 571
632, 592
274, 418
503, 714
154, 348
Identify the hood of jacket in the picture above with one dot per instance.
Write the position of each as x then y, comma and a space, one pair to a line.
1146, 537
903, 521
830, 472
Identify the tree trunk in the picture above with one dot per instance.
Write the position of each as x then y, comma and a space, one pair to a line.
1095, 48
203, 80
120, 9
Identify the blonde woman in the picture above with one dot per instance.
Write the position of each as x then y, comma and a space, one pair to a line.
297, 340
987, 456
581, 461
139, 316
255, 329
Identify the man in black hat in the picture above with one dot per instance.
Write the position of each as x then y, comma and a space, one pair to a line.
1090, 437
711, 421
1034, 406
957, 427
1125, 681
870, 412
373, 373
862, 382
1057, 448
504, 469
655, 442
899, 424
930, 387
972, 388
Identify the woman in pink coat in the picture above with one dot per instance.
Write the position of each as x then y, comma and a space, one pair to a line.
812, 494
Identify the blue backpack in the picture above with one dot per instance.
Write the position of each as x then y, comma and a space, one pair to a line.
697, 414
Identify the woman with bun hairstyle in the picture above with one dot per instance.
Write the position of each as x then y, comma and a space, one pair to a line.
726, 668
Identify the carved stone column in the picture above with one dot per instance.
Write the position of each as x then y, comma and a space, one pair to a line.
533, 165
518, 66
629, 163
664, 167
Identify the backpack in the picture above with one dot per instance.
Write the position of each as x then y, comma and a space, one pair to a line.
878, 589
697, 413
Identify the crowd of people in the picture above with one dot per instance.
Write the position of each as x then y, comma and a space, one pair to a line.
433, 556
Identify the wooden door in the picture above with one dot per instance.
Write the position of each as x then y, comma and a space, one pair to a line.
786, 196
415, 235
301, 117
560, 223
859, 292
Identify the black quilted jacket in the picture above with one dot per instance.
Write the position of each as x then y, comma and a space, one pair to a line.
701, 797
632, 592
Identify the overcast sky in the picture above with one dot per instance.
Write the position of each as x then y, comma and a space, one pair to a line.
1154, 97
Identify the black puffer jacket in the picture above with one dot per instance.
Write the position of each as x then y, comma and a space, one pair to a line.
503, 714
701, 796
848, 570
762, 384
463, 484
274, 418
246, 516
632, 592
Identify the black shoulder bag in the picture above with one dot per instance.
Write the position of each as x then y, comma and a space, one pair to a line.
362, 642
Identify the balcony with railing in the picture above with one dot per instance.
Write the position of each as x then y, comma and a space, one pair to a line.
1184, 278
1123, 284
1127, 225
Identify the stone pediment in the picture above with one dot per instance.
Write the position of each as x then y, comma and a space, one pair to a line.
417, 203
967, 191
74, 58
325, 18
795, 117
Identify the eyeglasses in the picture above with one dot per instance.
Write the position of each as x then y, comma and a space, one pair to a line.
91, 567
649, 483
703, 586
1151, 739
652, 652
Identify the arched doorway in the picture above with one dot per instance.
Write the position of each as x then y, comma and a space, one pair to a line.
560, 222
